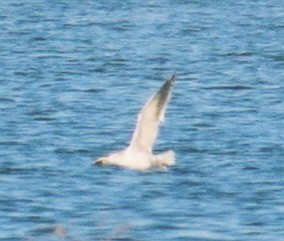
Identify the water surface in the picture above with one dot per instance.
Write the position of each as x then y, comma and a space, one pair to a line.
73, 76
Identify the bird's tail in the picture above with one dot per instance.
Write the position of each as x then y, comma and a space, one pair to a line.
166, 158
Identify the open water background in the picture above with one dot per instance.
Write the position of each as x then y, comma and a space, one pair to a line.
75, 73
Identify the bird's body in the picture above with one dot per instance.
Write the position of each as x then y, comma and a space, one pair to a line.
138, 155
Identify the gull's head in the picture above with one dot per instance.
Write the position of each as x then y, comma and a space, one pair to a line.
103, 161
110, 159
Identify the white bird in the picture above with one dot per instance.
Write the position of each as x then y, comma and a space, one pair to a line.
138, 155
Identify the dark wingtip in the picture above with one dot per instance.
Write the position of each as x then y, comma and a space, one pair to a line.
168, 83
172, 79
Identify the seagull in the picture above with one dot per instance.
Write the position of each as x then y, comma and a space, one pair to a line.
139, 154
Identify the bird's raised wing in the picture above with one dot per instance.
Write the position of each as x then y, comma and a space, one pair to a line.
152, 113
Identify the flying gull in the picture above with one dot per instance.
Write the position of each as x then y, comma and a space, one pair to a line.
138, 155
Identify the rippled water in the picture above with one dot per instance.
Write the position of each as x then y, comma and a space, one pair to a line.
75, 73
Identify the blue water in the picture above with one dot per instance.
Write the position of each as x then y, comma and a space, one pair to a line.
75, 73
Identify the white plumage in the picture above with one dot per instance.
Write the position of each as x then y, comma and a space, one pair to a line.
138, 155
